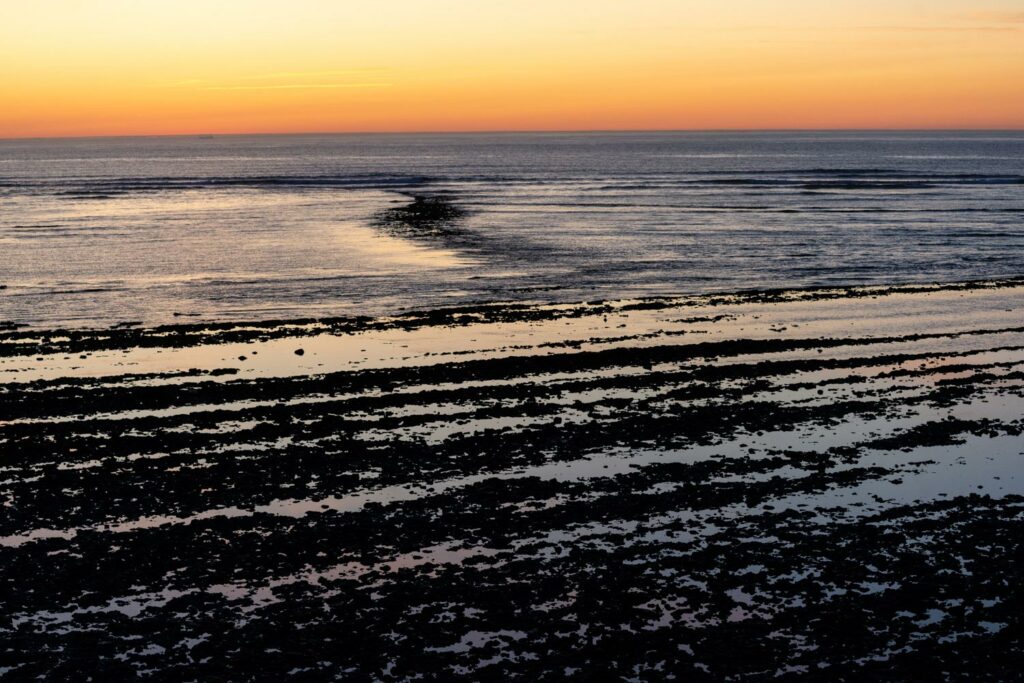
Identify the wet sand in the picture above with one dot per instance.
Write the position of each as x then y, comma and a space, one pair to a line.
805, 484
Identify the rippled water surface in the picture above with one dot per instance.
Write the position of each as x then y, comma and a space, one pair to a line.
586, 482
96, 232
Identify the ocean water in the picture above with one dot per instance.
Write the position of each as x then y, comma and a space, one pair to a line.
94, 232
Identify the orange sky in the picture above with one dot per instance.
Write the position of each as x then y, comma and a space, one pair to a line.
122, 67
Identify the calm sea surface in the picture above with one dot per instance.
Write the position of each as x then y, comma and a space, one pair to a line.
99, 231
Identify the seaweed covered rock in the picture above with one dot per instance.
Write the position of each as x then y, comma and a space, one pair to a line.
423, 217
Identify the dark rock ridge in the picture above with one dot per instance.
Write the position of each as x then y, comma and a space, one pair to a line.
634, 505
434, 216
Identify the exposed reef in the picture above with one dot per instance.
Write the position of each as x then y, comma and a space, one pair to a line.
423, 217
801, 485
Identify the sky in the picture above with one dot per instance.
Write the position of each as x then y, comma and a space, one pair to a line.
152, 67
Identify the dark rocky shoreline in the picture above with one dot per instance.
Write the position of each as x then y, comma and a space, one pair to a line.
701, 488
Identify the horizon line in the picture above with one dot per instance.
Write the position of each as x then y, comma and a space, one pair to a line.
526, 131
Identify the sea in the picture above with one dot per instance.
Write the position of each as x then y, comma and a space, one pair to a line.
159, 230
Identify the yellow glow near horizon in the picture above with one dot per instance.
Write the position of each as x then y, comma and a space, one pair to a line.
123, 67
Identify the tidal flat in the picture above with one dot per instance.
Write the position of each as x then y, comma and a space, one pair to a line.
801, 484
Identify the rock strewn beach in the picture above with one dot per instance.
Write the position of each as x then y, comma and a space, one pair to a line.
802, 484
